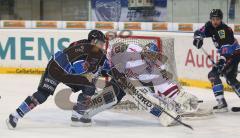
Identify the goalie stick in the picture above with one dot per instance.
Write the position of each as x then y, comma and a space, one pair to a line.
140, 96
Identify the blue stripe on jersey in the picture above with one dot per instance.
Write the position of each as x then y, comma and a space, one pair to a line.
78, 67
227, 50
63, 61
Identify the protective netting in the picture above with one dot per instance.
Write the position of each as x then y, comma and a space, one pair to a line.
166, 45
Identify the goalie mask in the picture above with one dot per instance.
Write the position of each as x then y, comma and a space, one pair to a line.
152, 52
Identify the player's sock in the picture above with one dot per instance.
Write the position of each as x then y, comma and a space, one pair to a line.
217, 90
27, 105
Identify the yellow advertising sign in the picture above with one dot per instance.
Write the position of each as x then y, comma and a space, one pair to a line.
185, 27
46, 24
160, 26
104, 25
132, 26
13, 24
76, 24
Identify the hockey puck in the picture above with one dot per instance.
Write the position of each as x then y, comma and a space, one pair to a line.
236, 109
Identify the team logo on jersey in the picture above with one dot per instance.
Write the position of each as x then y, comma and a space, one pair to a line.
221, 34
79, 49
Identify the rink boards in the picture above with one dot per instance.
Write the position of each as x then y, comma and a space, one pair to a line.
27, 51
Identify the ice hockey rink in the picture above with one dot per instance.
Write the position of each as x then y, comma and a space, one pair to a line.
48, 121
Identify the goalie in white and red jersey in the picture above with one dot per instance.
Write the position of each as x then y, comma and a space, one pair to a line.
144, 66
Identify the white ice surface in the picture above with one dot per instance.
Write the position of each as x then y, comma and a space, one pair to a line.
48, 121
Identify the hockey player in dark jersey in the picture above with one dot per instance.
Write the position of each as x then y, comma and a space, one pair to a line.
76, 66
229, 51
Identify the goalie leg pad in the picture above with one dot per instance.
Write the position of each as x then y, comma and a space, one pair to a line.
188, 102
110, 96
104, 100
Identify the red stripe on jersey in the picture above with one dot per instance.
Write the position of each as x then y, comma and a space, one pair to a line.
167, 92
160, 94
173, 94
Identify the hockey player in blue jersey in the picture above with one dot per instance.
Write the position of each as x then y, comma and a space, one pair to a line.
76, 66
229, 51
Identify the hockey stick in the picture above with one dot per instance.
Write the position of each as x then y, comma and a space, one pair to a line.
208, 56
136, 93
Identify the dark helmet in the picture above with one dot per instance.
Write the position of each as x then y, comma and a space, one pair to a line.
96, 35
216, 13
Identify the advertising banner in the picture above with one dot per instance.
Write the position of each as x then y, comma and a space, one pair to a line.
27, 51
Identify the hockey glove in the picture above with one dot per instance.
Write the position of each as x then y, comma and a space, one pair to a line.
198, 42
221, 65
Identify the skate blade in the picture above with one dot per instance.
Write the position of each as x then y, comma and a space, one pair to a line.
223, 110
80, 124
9, 125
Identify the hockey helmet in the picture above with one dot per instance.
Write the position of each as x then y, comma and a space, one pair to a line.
216, 13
